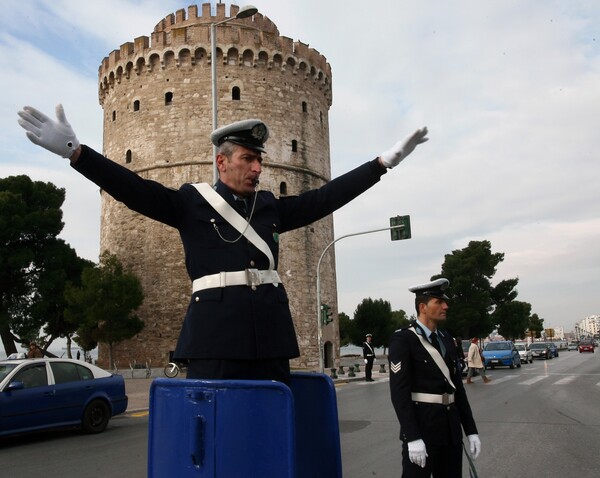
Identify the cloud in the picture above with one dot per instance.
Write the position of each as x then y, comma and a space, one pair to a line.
508, 89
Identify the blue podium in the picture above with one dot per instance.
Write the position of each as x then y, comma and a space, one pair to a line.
244, 428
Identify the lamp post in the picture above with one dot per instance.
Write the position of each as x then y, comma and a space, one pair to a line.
394, 227
244, 12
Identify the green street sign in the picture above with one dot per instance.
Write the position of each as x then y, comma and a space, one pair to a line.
400, 233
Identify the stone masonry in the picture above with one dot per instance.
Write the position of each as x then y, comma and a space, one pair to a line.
156, 97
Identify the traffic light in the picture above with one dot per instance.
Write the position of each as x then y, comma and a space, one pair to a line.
326, 314
400, 233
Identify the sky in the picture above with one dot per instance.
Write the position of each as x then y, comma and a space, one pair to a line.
509, 90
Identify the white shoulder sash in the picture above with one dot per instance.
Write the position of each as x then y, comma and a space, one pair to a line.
232, 217
436, 356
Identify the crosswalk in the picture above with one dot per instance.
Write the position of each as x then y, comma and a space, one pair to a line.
522, 379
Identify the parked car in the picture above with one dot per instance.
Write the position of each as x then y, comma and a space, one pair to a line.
585, 346
553, 348
540, 350
572, 346
561, 344
37, 394
501, 353
524, 353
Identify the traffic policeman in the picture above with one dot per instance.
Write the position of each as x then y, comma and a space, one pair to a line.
369, 356
427, 390
238, 324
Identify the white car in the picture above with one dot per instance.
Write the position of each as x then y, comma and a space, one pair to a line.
524, 353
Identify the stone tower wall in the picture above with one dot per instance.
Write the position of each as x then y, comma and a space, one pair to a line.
156, 96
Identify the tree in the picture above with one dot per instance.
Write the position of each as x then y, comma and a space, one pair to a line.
512, 318
30, 221
399, 320
470, 271
104, 305
374, 317
345, 326
47, 311
536, 325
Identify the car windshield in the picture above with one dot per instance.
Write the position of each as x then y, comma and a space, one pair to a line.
501, 346
5, 369
520, 347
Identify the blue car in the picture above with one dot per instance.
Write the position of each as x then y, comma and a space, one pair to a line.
37, 394
501, 353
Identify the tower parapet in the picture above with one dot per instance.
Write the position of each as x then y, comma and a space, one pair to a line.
189, 35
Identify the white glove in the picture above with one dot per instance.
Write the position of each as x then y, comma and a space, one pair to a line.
417, 453
366, 360
56, 136
402, 149
474, 445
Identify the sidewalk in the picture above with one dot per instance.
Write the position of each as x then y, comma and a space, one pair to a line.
137, 386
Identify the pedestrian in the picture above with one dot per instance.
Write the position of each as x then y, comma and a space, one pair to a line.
475, 362
238, 324
427, 390
460, 354
369, 356
34, 351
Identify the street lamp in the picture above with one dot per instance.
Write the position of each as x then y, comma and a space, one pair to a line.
244, 12
399, 223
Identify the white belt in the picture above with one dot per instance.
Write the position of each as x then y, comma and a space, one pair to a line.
443, 399
249, 277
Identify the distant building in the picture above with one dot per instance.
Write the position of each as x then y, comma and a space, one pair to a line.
588, 327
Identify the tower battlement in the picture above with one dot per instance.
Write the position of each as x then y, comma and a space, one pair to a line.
251, 42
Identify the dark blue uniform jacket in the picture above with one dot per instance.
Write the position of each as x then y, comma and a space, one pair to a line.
233, 322
416, 371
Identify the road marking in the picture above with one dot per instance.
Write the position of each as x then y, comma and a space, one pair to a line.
533, 380
139, 414
566, 380
506, 378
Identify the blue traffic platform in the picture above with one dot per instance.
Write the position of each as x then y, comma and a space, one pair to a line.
244, 428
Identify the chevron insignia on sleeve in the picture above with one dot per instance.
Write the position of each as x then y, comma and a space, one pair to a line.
395, 366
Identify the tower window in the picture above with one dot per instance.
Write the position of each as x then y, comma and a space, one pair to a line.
168, 97
114, 115
294, 146
136, 105
283, 188
235, 93
304, 107
128, 156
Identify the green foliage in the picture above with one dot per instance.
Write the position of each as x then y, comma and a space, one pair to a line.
399, 320
104, 305
345, 326
470, 271
512, 319
535, 326
372, 317
30, 221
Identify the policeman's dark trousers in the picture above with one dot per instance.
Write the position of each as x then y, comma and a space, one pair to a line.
368, 369
442, 462
265, 369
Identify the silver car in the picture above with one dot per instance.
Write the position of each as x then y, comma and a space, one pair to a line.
524, 353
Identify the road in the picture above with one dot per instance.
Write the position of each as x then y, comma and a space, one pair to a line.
542, 418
